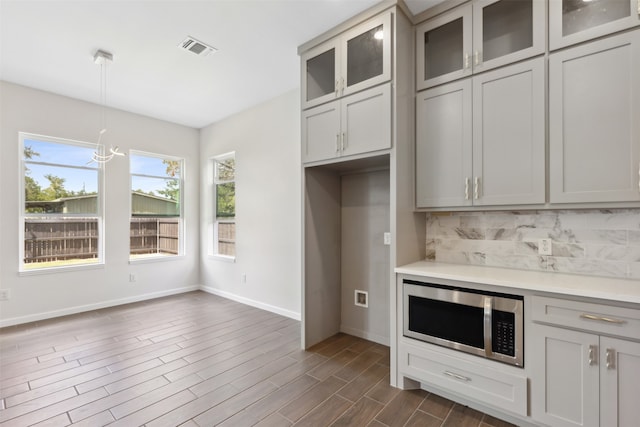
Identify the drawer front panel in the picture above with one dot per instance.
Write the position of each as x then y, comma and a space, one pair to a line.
603, 319
491, 386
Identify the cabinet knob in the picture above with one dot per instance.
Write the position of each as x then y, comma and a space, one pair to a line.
466, 188
592, 354
476, 58
611, 358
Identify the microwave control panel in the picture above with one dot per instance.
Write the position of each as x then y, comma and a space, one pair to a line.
503, 339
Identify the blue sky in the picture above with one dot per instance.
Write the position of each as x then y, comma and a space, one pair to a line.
86, 176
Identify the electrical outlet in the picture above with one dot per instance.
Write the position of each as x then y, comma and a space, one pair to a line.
5, 294
544, 247
387, 238
132, 277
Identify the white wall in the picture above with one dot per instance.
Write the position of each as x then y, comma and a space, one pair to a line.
37, 296
266, 140
364, 256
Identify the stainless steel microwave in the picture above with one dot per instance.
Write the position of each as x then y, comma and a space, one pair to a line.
486, 324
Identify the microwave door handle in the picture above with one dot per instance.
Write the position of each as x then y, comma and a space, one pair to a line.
488, 308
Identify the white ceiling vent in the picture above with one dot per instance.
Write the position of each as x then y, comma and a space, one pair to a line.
197, 47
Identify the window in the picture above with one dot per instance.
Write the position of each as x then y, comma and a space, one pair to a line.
156, 206
225, 205
61, 198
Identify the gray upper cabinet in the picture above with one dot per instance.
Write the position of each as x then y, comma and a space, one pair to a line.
478, 36
594, 125
481, 141
356, 124
509, 135
574, 21
444, 48
444, 146
357, 59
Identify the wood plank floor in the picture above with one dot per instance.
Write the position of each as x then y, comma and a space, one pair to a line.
200, 360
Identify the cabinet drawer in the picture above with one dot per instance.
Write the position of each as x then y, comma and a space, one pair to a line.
492, 386
603, 319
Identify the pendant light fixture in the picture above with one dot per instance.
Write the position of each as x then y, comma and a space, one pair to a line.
102, 58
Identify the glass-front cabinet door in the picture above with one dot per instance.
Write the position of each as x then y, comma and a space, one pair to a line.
444, 48
366, 55
574, 21
478, 36
349, 63
506, 31
320, 74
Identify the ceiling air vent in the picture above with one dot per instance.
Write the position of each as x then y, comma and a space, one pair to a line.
196, 46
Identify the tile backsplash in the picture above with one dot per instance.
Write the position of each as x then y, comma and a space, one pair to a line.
591, 242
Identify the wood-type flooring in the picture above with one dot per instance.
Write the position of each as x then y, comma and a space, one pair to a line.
196, 359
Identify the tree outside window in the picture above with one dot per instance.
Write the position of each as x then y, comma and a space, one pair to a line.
225, 205
156, 213
61, 219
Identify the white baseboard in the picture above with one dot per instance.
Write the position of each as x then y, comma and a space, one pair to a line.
365, 335
272, 308
82, 308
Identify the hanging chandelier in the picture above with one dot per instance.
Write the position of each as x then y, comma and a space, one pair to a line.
102, 58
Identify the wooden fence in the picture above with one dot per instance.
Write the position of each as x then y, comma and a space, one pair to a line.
47, 240
154, 236
55, 239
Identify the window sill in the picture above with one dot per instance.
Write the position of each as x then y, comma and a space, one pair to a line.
224, 258
62, 269
159, 258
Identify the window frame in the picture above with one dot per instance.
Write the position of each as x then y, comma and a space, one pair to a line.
215, 249
23, 215
181, 219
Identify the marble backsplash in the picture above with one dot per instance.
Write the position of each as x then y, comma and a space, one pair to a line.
590, 242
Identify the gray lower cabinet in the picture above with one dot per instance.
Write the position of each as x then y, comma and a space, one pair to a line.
594, 126
356, 124
480, 141
585, 378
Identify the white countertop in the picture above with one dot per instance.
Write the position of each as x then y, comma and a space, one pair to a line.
620, 290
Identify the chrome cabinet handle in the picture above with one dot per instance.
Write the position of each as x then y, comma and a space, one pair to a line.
457, 376
337, 87
342, 141
467, 60
593, 355
611, 358
638, 7
476, 58
638, 163
342, 85
466, 188
476, 187
602, 319
337, 143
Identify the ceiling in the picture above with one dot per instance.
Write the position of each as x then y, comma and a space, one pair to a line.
49, 45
